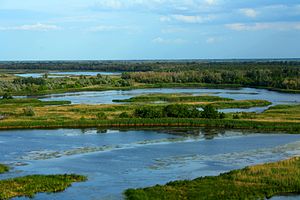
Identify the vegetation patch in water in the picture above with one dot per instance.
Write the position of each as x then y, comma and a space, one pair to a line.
173, 98
256, 182
3, 168
28, 186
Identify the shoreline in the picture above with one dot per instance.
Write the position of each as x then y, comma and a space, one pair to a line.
288, 127
155, 86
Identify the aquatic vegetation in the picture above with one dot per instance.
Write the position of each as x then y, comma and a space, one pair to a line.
173, 98
28, 186
3, 168
255, 182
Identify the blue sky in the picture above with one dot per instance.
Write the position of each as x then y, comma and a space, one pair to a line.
148, 29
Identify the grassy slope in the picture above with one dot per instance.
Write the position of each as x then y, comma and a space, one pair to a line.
30, 185
256, 182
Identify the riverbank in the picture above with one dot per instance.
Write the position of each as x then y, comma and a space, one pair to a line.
28, 186
289, 127
255, 182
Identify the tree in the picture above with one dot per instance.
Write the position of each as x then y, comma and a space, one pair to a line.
210, 112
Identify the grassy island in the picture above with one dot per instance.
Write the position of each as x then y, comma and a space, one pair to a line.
28, 186
256, 182
33, 113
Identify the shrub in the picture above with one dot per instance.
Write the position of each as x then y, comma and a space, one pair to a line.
148, 112
28, 111
101, 115
7, 96
209, 112
124, 115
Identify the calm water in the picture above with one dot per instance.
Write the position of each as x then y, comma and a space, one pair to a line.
115, 160
107, 97
65, 74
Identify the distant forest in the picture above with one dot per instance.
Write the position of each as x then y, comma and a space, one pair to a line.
142, 66
283, 75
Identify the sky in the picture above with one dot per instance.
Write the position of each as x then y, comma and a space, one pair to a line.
148, 29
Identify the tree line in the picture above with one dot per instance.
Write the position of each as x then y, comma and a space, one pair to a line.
277, 77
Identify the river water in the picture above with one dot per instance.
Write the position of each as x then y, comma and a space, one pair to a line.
107, 97
115, 160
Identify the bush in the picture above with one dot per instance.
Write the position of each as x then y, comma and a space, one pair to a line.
181, 111
7, 96
101, 115
28, 112
209, 112
148, 112
124, 115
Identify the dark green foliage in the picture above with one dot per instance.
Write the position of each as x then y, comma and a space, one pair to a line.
101, 115
28, 186
178, 111
257, 76
28, 112
209, 112
7, 96
256, 182
30, 80
149, 112
124, 115
3, 168
181, 111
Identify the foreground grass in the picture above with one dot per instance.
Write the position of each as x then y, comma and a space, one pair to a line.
256, 182
3, 168
30, 185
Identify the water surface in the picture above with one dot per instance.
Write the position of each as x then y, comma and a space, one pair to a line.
115, 160
107, 97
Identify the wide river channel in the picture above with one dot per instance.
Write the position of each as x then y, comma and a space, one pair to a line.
115, 160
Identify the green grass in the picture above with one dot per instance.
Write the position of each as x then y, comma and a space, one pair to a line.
256, 182
3, 168
290, 127
241, 104
28, 186
173, 98
31, 102
217, 102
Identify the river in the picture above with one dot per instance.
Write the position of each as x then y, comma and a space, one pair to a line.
115, 160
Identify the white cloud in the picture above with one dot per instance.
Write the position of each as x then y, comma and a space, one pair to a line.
282, 26
165, 19
110, 4
249, 12
191, 19
211, 40
110, 28
33, 27
160, 40
171, 29
210, 2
